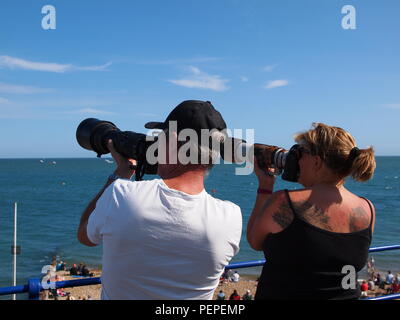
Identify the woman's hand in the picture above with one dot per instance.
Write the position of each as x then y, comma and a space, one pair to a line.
266, 179
124, 165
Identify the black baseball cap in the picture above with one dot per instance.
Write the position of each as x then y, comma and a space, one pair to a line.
192, 114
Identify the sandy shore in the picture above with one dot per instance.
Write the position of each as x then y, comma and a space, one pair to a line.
247, 282
94, 292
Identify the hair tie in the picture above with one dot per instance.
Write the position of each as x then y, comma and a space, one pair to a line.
354, 153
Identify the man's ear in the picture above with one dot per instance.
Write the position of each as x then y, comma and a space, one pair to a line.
172, 140
172, 147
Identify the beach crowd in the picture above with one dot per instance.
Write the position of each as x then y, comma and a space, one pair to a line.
60, 272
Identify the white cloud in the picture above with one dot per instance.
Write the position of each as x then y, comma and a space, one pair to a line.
269, 68
91, 111
202, 80
10, 88
276, 83
244, 79
95, 68
17, 63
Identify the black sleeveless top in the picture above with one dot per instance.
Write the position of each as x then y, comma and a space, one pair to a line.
306, 262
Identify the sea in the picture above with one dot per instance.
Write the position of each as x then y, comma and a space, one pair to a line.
51, 195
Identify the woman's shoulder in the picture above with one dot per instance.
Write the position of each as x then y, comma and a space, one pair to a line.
278, 210
298, 194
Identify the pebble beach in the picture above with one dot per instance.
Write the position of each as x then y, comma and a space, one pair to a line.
94, 292
246, 282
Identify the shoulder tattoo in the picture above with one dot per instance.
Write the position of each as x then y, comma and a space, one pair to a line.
283, 215
312, 214
358, 219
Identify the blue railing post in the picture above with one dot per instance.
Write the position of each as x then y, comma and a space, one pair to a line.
34, 287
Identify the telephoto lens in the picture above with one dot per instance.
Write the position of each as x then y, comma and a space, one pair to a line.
270, 156
238, 151
285, 162
93, 134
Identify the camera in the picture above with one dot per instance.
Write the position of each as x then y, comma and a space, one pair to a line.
93, 134
285, 162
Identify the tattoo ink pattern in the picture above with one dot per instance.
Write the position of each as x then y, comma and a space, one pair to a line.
358, 219
312, 214
283, 216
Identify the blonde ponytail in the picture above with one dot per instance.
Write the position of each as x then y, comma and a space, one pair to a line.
364, 165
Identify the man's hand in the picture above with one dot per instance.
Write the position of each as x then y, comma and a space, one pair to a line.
124, 165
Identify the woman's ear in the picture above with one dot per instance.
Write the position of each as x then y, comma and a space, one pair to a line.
318, 163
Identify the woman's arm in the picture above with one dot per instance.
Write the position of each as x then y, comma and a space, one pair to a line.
261, 201
271, 218
265, 182
271, 213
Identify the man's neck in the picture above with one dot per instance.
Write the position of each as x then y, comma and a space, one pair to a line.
190, 182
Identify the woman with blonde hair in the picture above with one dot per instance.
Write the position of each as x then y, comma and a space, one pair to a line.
319, 235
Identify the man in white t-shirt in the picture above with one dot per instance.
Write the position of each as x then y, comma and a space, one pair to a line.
235, 277
389, 278
165, 238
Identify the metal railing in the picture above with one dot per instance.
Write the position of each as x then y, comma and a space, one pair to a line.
34, 286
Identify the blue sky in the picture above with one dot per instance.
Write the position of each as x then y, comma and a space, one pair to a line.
272, 66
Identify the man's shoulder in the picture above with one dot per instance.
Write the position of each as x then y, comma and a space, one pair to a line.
227, 207
226, 203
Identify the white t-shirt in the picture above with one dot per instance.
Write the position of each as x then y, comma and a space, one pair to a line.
161, 243
389, 278
235, 277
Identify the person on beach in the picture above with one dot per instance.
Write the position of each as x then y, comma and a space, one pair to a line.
364, 289
378, 280
80, 266
70, 297
389, 277
221, 295
247, 295
234, 295
371, 285
165, 238
323, 230
235, 277
396, 285
74, 270
85, 272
